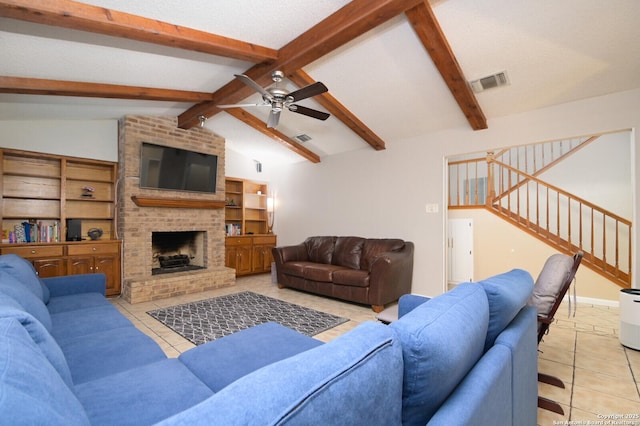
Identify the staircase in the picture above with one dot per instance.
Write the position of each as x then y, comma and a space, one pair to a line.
507, 185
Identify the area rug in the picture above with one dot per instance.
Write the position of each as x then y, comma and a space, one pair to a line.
210, 319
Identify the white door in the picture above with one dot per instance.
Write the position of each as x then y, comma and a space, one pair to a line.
460, 248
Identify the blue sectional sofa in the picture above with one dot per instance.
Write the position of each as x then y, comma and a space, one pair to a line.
68, 357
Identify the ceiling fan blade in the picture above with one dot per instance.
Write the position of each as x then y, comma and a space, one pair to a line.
243, 105
274, 118
308, 91
314, 113
255, 86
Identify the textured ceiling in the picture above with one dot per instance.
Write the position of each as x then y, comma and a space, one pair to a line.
554, 51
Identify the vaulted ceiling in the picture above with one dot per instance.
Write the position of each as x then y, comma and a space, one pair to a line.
395, 69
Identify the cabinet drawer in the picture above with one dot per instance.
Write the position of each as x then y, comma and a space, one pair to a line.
234, 242
271, 239
75, 250
34, 251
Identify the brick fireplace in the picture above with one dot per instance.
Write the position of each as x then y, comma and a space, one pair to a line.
168, 213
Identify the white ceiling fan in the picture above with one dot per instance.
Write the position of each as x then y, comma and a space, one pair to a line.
279, 99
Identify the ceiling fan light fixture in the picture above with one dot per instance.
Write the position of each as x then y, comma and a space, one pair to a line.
202, 120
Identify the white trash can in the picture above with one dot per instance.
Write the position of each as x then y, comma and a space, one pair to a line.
630, 317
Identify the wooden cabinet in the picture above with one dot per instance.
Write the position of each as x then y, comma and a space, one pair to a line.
91, 258
238, 254
250, 254
39, 193
72, 258
261, 253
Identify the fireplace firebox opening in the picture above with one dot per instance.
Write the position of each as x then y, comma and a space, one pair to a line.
177, 251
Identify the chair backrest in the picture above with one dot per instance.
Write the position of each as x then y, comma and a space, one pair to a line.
551, 286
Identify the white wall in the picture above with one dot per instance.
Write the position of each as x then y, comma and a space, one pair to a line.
96, 139
383, 194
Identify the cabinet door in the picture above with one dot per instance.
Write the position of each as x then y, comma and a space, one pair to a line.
80, 265
262, 258
239, 258
110, 266
49, 267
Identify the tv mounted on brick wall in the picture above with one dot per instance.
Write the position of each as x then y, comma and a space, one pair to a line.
165, 167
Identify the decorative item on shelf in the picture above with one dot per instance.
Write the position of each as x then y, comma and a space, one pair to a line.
87, 191
231, 202
94, 233
270, 213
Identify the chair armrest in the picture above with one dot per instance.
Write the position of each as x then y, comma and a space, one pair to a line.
286, 254
75, 284
409, 302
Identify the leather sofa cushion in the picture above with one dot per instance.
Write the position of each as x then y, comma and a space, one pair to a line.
348, 251
373, 247
320, 249
352, 277
322, 273
293, 268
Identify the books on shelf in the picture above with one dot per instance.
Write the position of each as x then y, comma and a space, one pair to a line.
32, 232
233, 229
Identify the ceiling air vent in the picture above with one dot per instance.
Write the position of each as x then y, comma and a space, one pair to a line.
303, 138
490, 82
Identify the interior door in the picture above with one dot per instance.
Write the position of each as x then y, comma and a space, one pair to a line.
460, 248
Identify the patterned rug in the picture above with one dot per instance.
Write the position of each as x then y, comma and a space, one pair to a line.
210, 319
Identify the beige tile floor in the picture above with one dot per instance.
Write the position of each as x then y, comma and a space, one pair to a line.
601, 376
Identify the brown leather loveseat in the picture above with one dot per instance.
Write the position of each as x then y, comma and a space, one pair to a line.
370, 271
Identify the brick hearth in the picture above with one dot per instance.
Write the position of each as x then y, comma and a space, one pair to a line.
135, 224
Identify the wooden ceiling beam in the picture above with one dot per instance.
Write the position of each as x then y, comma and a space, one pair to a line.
84, 17
37, 86
339, 111
274, 134
430, 34
349, 22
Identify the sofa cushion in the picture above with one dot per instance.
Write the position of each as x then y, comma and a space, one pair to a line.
441, 341
241, 353
348, 251
31, 390
10, 309
375, 246
355, 379
115, 350
320, 272
23, 271
295, 268
142, 396
46, 294
320, 249
554, 273
507, 294
82, 322
21, 293
351, 277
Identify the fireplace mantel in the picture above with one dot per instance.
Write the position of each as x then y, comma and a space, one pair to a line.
177, 202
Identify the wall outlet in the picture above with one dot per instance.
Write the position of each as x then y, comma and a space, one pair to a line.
431, 208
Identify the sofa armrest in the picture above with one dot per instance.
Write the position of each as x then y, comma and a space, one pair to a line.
390, 275
286, 254
409, 302
75, 284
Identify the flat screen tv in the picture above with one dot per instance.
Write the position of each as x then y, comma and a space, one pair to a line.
165, 167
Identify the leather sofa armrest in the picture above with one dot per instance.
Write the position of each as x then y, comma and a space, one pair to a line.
289, 253
390, 275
